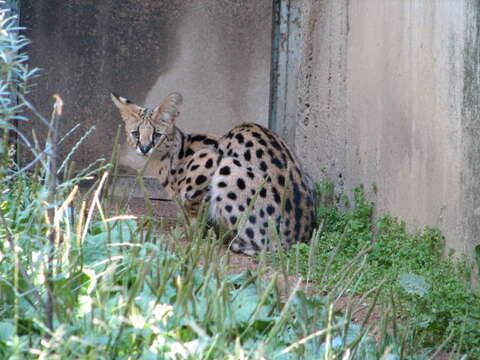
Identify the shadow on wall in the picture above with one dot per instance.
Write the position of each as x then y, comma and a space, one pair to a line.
87, 48
215, 52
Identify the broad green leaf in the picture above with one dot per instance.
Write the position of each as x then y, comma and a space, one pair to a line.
7, 330
245, 303
414, 284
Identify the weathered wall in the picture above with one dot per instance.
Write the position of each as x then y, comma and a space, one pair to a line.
386, 91
388, 95
216, 53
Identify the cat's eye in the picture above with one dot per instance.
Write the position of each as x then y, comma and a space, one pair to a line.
136, 134
157, 134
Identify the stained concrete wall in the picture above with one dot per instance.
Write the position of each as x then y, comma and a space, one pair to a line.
388, 95
386, 91
215, 52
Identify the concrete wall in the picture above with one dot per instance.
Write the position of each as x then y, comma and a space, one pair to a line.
388, 95
386, 92
216, 53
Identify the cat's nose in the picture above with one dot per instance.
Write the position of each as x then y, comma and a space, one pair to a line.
145, 149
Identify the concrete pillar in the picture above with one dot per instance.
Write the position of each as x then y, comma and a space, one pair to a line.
388, 96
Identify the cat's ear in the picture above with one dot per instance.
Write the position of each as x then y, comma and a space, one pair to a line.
126, 107
169, 109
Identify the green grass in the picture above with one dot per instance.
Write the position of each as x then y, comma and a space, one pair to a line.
431, 292
121, 291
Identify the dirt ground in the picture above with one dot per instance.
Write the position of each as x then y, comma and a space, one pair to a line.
169, 211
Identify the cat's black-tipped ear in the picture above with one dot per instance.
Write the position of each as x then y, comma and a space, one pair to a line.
169, 109
125, 106
118, 100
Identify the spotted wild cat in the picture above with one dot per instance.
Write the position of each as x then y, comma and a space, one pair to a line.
248, 164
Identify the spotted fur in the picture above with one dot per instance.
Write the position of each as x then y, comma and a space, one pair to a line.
249, 176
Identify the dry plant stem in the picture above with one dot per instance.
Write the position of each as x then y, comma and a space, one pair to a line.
361, 254
52, 145
59, 213
48, 124
443, 344
114, 159
94, 203
25, 168
282, 318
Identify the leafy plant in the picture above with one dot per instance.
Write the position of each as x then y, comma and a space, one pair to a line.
123, 291
431, 292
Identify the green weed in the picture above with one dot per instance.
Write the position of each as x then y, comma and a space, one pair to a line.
121, 291
432, 292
